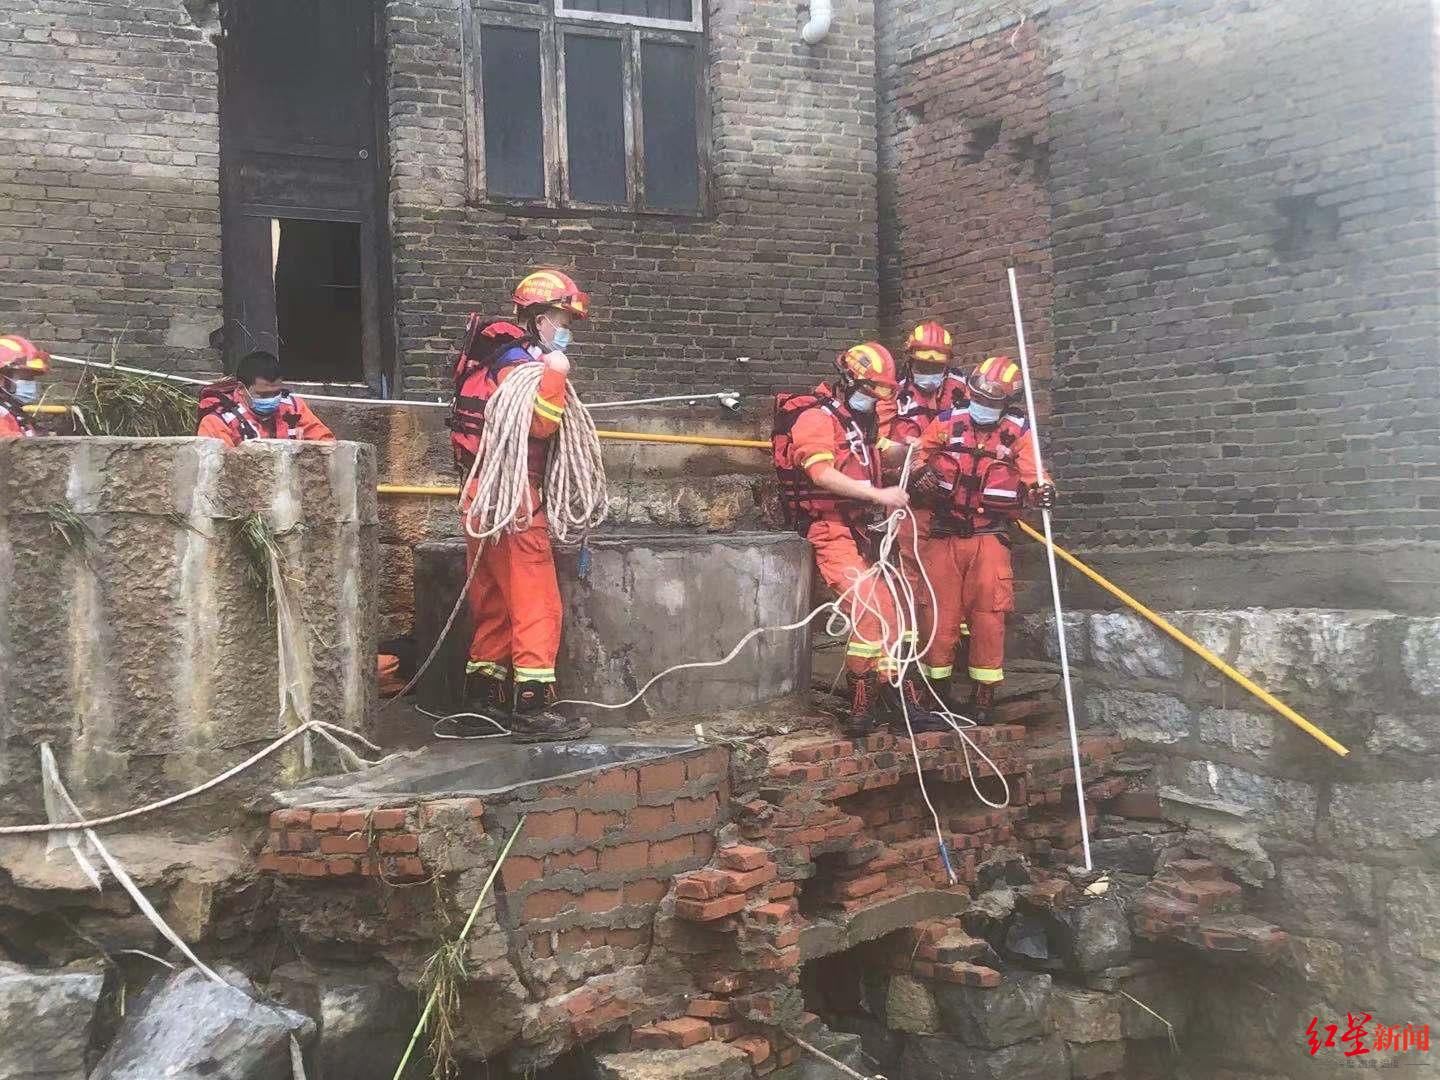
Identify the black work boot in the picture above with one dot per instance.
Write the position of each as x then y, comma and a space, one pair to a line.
983, 702
866, 714
488, 695
534, 721
918, 704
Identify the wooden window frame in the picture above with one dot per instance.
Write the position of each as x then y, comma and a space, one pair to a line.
554, 23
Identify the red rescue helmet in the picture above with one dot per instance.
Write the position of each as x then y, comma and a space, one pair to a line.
20, 356
869, 367
550, 289
996, 381
930, 343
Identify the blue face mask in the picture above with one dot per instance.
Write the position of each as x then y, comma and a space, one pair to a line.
860, 402
27, 390
983, 414
560, 337
265, 406
930, 382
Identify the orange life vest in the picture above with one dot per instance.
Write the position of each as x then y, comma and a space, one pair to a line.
477, 377
979, 477
223, 399
803, 501
915, 408
12, 407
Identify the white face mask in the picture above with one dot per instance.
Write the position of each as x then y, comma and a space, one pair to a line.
27, 390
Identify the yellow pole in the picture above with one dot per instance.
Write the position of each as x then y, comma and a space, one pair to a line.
687, 440
46, 408
418, 489
1193, 645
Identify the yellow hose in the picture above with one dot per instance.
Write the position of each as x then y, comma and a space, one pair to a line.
1193, 645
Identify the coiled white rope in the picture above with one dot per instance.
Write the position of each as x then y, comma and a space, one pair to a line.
576, 497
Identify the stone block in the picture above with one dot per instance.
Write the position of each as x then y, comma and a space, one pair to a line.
1242, 732
47, 1018
1094, 1059
1412, 914
634, 615
708, 1061
1420, 656
364, 1016
1084, 1016
1125, 644
1166, 993
1317, 894
1096, 936
1009, 1013
911, 1007
1143, 717
1275, 805
1318, 650
1396, 814
1404, 736
936, 1057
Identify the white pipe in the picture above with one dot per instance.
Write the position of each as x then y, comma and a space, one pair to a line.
728, 398
821, 15
1054, 575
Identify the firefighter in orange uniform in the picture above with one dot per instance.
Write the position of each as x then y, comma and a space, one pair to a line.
20, 362
927, 386
829, 469
977, 474
514, 597
254, 404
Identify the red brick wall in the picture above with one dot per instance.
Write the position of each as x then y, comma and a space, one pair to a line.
965, 136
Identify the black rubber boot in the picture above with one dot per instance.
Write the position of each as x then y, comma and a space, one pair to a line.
918, 703
982, 704
534, 721
866, 715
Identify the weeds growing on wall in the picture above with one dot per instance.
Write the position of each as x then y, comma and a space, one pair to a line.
443, 975
257, 544
73, 530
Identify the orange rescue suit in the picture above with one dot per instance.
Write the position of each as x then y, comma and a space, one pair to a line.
514, 596
977, 482
225, 415
14, 422
811, 433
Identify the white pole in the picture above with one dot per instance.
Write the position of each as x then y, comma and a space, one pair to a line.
1054, 575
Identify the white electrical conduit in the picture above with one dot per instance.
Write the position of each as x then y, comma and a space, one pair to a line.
728, 398
1054, 574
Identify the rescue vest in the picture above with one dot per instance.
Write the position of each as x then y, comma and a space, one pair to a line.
13, 407
978, 474
916, 408
477, 377
223, 399
802, 501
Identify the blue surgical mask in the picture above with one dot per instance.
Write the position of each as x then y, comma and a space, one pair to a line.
27, 390
559, 338
930, 382
265, 406
860, 402
983, 414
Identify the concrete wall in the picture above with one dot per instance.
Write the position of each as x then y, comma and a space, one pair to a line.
131, 635
651, 599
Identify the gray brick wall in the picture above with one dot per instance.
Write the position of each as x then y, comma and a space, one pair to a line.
109, 184
1244, 238
784, 270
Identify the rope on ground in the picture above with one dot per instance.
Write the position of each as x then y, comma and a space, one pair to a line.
326, 730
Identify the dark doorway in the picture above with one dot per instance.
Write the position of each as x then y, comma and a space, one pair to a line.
306, 253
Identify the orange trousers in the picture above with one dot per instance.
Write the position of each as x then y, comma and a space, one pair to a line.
975, 584
838, 558
514, 600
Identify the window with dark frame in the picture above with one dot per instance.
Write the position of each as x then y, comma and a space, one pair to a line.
587, 104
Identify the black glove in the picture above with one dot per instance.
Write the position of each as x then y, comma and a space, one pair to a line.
1043, 496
